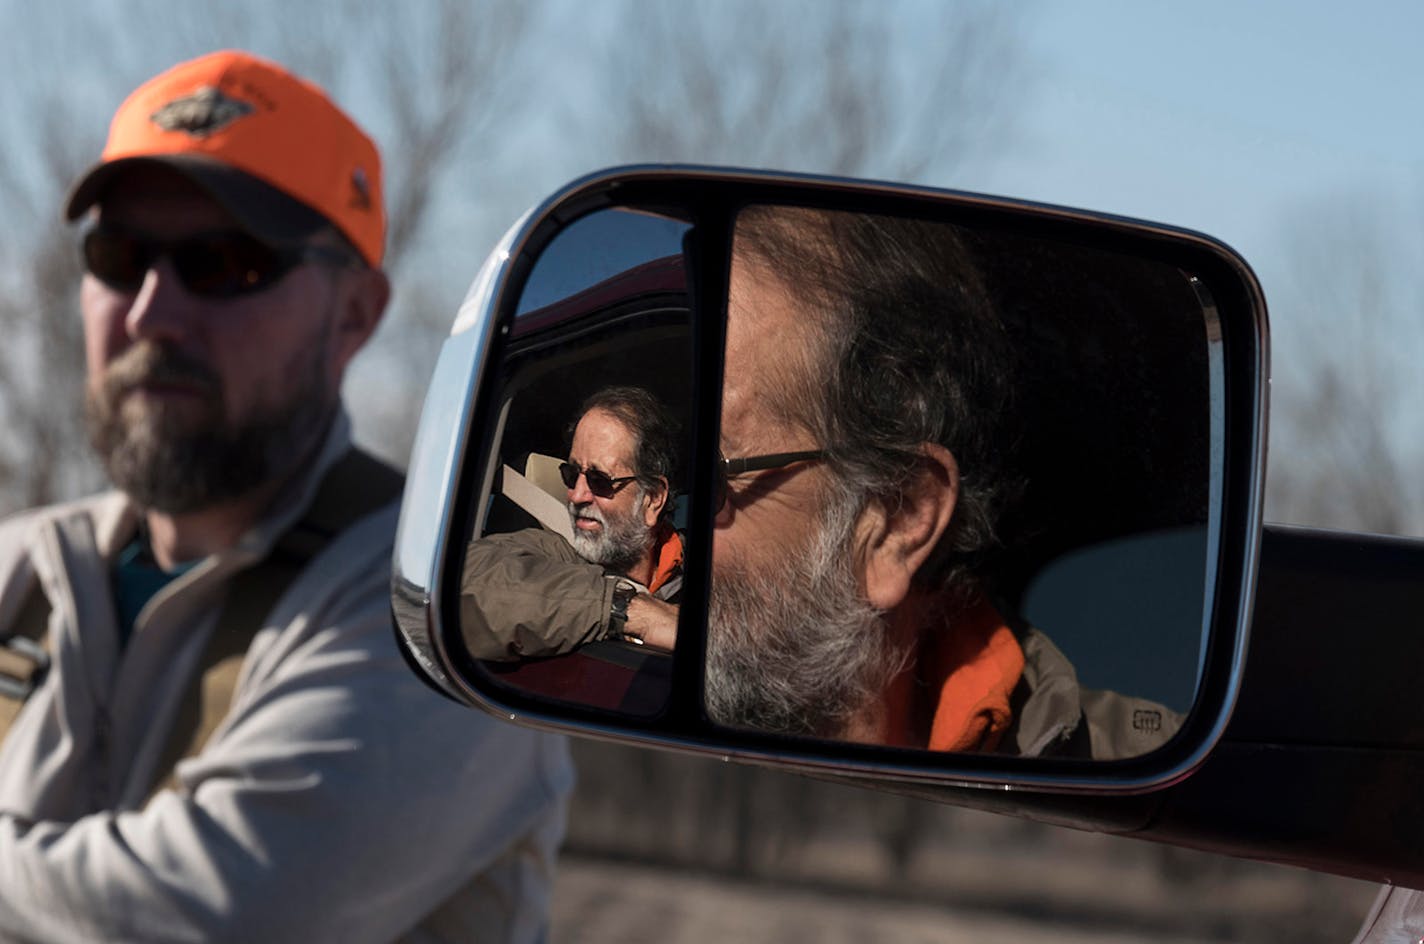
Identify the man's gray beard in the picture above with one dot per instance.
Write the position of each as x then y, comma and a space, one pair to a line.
169, 461
797, 651
620, 544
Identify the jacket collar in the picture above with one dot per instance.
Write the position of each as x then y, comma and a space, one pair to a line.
975, 664
667, 557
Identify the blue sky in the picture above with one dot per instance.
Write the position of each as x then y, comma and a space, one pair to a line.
1274, 127
1216, 115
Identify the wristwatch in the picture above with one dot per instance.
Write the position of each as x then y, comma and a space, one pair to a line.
623, 593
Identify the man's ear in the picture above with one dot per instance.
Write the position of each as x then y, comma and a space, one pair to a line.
894, 542
654, 501
361, 300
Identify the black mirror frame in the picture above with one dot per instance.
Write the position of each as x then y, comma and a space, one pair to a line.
455, 434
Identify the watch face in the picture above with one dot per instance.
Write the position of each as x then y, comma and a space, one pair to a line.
623, 593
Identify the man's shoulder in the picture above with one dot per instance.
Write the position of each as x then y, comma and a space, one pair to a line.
1124, 725
357, 558
350, 515
533, 540
1118, 725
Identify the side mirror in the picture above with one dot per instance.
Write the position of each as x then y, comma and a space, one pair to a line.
845, 477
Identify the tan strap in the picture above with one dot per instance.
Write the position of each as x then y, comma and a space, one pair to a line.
250, 597
24, 656
355, 486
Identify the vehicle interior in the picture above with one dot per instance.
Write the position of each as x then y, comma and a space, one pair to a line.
631, 329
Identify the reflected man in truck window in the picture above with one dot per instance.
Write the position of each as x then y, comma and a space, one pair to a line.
866, 378
532, 593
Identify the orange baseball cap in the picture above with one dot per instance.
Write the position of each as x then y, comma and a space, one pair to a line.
269, 146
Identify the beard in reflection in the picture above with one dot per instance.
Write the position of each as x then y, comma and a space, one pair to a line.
621, 541
186, 456
798, 651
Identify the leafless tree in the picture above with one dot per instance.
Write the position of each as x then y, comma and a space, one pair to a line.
854, 88
1345, 438
436, 78
41, 366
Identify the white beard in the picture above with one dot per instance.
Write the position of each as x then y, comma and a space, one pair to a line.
797, 651
618, 545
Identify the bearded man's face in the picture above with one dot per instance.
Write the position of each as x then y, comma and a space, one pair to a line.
614, 529
193, 399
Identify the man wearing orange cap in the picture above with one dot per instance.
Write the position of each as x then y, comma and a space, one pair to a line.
208, 731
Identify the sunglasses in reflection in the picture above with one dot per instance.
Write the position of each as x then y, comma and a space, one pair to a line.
601, 484
731, 468
220, 264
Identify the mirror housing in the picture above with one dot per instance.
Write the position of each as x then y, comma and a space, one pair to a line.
467, 418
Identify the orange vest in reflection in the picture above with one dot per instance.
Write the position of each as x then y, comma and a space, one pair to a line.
971, 668
667, 561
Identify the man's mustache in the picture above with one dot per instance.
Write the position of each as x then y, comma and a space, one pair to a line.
590, 511
148, 363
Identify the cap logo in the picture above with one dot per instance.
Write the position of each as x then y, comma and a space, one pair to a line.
206, 111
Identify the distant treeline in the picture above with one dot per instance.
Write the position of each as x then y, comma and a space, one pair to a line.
752, 823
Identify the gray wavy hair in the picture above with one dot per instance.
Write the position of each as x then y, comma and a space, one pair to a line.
907, 350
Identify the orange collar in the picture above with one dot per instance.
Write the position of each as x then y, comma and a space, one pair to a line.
972, 666
668, 558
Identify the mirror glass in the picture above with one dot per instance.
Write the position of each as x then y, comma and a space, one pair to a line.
966, 500
571, 579
967, 476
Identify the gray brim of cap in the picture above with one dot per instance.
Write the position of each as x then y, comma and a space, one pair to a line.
259, 208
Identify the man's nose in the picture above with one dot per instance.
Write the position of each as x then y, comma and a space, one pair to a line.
580, 494
162, 309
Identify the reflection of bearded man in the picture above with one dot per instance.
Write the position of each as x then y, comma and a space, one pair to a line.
835, 573
797, 651
178, 459
622, 541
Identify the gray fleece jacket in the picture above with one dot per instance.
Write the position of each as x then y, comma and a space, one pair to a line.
339, 800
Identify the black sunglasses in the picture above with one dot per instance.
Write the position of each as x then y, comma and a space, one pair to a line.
601, 484
210, 265
731, 468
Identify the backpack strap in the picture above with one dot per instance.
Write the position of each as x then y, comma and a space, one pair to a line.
355, 485
24, 656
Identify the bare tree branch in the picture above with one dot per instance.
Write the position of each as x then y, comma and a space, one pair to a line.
1344, 439
807, 86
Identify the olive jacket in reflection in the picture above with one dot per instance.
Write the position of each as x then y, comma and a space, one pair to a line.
1012, 691
338, 800
528, 593
1055, 717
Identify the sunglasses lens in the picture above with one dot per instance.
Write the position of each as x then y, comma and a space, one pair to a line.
226, 264
598, 483
116, 259
216, 265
